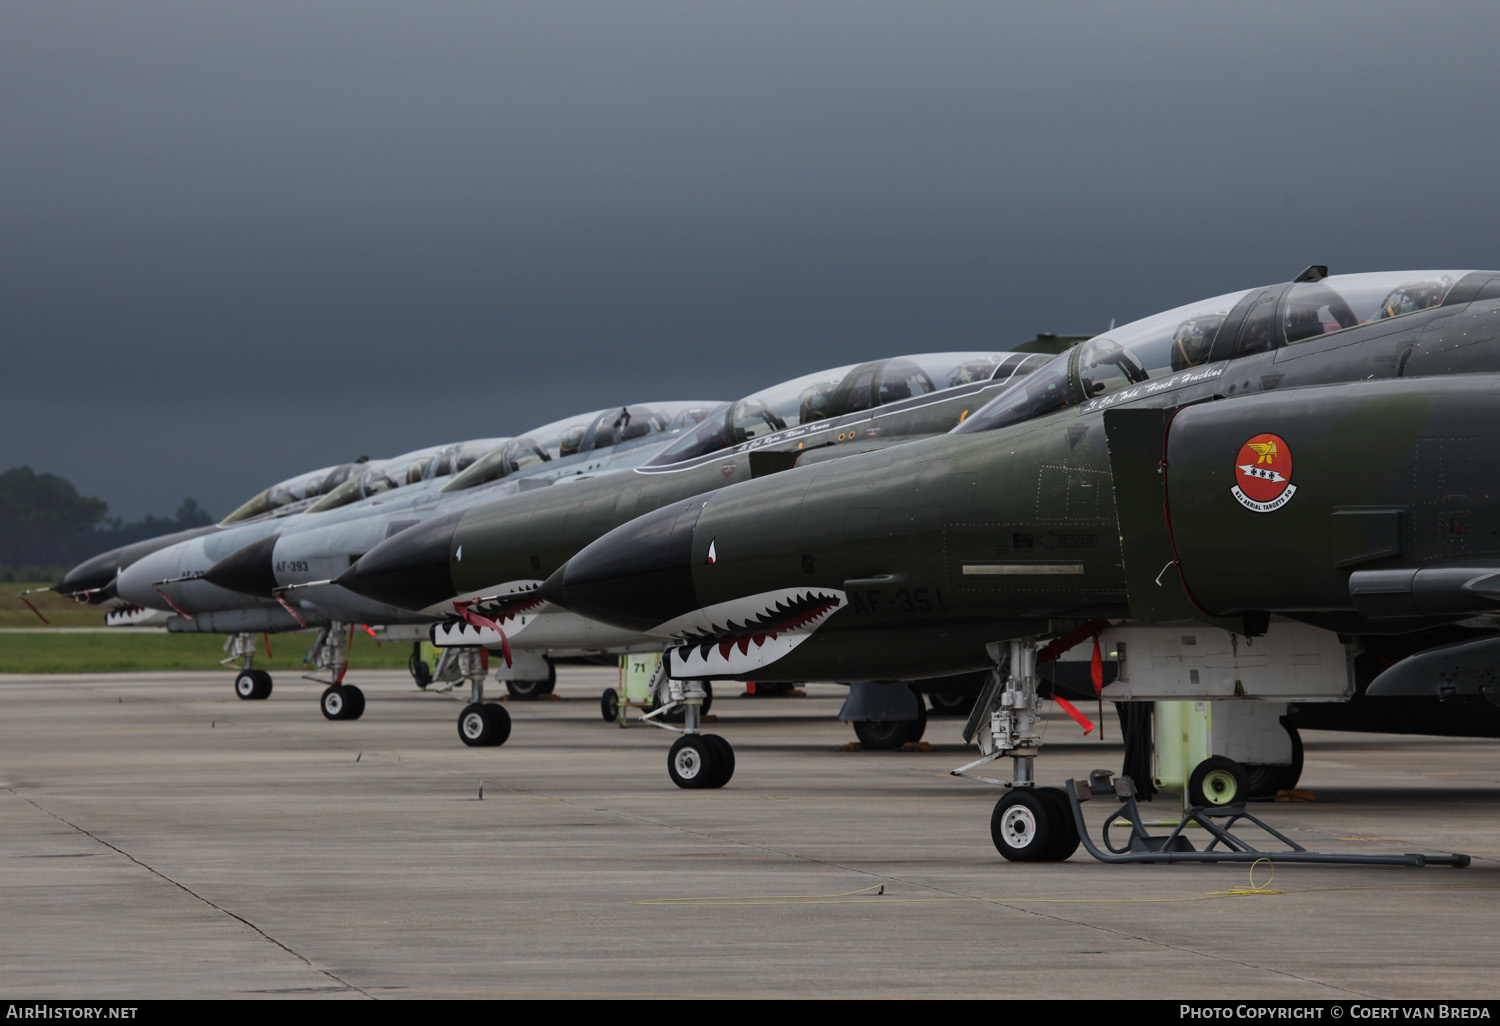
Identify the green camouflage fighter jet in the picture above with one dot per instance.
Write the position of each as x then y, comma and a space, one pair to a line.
481, 566
1238, 496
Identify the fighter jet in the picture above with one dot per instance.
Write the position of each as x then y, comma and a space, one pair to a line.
93, 581
170, 579
296, 565
481, 567
1237, 496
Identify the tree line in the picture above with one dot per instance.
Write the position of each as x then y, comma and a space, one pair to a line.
46, 527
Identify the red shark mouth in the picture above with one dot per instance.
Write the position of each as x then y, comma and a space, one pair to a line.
786, 616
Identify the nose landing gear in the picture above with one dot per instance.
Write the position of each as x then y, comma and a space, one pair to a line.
697, 760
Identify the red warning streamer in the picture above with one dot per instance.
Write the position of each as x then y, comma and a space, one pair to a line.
288, 607
35, 610
1078, 717
174, 605
473, 619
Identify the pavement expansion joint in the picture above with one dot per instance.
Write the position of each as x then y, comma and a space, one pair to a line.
342, 984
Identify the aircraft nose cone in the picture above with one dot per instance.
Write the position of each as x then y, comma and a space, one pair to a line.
410, 570
90, 575
247, 570
637, 576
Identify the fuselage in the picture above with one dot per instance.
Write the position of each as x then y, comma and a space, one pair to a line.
912, 560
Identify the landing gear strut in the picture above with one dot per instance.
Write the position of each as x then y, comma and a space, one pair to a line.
1030, 823
250, 684
697, 760
330, 652
481, 724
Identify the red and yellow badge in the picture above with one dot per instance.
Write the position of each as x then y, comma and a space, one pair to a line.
1263, 474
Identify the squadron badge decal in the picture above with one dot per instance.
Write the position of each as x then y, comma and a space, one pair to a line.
1263, 474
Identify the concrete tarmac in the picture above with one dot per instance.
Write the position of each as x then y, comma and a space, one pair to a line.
162, 839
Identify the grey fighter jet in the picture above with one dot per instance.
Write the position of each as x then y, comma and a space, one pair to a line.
170, 579
94, 580
296, 565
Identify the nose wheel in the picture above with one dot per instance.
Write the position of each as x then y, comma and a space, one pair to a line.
700, 761
253, 685
1034, 824
343, 702
482, 725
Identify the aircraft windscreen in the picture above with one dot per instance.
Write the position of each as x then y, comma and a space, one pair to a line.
1180, 339
293, 489
906, 377
532, 448
634, 424
400, 471
801, 400
833, 393
1314, 308
1151, 347
1041, 391
584, 432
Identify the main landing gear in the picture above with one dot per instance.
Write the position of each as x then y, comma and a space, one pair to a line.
890, 735
542, 682
697, 760
250, 684
1030, 823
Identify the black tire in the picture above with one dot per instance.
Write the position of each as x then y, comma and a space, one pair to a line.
609, 705
889, 735
883, 735
1066, 842
483, 726
252, 685
693, 763
949, 703
499, 724
354, 702
334, 703
1030, 827
530, 690
420, 671
726, 758
1264, 780
1216, 782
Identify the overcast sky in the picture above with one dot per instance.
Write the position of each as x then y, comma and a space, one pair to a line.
240, 240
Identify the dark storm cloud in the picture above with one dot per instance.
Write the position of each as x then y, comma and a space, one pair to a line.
243, 240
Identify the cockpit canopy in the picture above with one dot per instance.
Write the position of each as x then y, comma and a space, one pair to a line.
294, 489
400, 471
833, 393
615, 426
1158, 347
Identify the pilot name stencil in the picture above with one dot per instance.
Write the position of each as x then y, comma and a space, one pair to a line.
1263, 474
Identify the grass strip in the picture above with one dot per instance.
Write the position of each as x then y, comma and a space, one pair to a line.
43, 651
